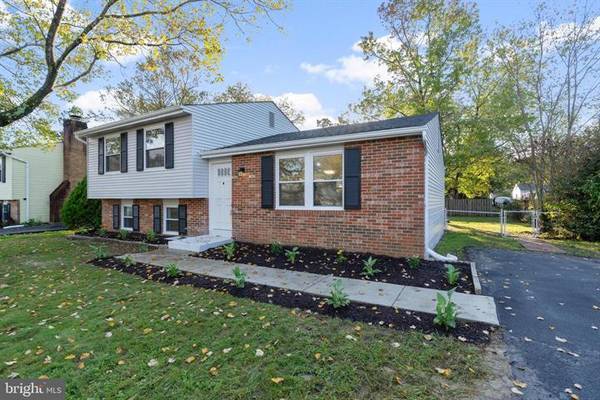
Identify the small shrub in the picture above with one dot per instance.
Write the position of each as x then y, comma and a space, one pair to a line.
292, 255
150, 235
338, 298
368, 267
102, 232
79, 211
123, 234
276, 248
445, 311
172, 270
143, 248
239, 277
83, 231
99, 251
340, 257
452, 274
414, 262
229, 250
128, 261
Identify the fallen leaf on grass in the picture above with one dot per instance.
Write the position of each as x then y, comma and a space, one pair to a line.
190, 359
152, 363
81, 365
520, 384
277, 380
350, 337
227, 350
516, 391
70, 357
43, 377
428, 337
121, 362
559, 339
259, 353
213, 371
318, 356
147, 331
9, 363
395, 345
444, 371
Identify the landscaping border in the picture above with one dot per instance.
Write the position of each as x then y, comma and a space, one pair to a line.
390, 317
475, 277
113, 240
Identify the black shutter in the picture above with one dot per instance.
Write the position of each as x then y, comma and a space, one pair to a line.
169, 146
116, 216
267, 172
3, 166
136, 217
182, 216
157, 219
100, 156
352, 179
124, 152
139, 150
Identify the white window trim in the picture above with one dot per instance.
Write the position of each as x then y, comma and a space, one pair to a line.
126, 203
117, 135
149, 128
308, 179
168, 204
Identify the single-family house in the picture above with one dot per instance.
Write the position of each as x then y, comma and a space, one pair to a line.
35, 181
523, 191
244, 171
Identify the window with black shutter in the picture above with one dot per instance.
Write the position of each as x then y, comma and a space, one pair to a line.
352, 166
169, 145
116, 215
3, 169
267, 181
124, 152
101, 155
182, 214
157, 218
139, 150
136, 217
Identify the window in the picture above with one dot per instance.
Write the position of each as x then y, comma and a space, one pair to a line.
327, 180
291, 181
171, 220
310, 180
113, 153
128, 217
155, 148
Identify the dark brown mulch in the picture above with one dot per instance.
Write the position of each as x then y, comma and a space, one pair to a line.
131, 236
430, 274
398, 319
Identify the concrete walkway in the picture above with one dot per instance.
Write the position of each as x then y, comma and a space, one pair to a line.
470, 307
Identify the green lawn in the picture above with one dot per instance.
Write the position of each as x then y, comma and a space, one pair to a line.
99, 329
485, 232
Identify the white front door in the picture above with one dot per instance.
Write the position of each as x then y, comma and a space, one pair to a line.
219, 199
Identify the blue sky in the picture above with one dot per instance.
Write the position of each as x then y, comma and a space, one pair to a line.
312, 61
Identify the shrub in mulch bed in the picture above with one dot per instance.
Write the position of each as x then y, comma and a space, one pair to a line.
429, 274
472, 332
131, 236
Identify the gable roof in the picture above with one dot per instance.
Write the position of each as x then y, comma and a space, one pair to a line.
393, 127
526, 187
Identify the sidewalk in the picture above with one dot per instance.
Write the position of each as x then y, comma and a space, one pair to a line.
470, 307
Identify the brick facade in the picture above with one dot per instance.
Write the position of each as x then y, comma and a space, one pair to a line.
390, 221
74, 153
197, 210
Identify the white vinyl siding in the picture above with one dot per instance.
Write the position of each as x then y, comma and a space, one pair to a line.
434, 175
219, 125
45, 174
208, 126
150, 183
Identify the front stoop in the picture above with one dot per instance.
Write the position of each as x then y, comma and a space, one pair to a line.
471, 307
198, 243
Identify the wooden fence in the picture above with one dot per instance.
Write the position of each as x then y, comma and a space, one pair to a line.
481, 205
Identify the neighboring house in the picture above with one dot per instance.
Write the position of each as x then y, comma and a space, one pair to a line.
523, 191
244, 171
35, 181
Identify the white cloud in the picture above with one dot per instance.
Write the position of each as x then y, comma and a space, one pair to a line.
352, 68
309, 104
93, 101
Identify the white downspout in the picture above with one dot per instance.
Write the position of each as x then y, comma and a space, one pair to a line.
439, 257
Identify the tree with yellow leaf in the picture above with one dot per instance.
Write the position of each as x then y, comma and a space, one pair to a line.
48, 46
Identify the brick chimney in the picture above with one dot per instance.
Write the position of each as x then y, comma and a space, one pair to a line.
74, 151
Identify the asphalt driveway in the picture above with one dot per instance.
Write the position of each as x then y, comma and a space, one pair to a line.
549, 305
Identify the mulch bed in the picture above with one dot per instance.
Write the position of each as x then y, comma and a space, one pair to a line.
131, 236
472, 332
429, 274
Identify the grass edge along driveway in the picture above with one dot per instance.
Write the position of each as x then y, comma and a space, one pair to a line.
113, 335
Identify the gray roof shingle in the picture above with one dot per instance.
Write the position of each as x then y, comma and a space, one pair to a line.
394, 123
